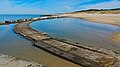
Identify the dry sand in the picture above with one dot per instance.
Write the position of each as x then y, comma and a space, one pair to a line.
113, 19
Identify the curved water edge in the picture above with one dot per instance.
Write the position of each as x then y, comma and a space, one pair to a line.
77, 30
15, 45
29, 53
24, 30
20, 47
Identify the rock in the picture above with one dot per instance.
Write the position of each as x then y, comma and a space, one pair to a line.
15, 21
31, 19
26, 19
20, 20
8, 22
1, 23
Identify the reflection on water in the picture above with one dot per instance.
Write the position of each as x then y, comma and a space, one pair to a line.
15, 45
68, 28
77, 30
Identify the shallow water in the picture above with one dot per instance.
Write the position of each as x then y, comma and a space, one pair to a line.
15, 45
77, 30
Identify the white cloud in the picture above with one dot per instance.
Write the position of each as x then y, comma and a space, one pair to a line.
72, 5
47, 6
68, 7
6, 6
103, 5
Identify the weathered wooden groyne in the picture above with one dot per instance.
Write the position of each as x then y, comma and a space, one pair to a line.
74, 52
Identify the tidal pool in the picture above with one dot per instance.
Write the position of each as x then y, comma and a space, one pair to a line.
15, 45
76, 30
81, 31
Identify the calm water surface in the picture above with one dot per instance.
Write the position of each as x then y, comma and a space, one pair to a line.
15, 45
77, 30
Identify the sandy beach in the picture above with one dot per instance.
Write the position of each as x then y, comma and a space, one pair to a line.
113, 19
116, 37
9, 61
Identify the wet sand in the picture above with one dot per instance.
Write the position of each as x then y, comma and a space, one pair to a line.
66, 49
59, 63
13, 47
113, 19
116, 37
9, 61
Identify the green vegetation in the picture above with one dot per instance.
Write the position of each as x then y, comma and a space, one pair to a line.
100, 11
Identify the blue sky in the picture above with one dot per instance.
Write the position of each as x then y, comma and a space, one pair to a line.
53, 6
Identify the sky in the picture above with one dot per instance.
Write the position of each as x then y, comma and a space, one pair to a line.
53, 6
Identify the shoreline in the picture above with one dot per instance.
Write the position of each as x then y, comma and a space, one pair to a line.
74, 52
112, 19
21, 29
116, 37
10, 61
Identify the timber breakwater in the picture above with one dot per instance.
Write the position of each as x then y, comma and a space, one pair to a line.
80, 54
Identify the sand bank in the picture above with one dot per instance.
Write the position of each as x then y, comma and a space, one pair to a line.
113, 19
74, 52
